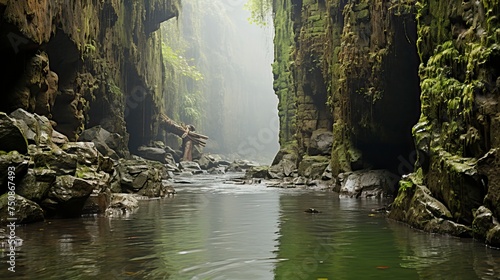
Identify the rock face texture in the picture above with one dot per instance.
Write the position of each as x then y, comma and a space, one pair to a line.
405, 86
72, 66
339, 68
456, 133
83, 64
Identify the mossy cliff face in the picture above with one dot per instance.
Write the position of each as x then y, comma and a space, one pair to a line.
381, 64
284, 42
351, 68
374, 86
102, 58
457, 134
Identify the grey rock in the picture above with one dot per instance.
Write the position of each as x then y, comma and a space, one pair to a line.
152, 153
482, 223
121, 202
320, 143
38, 129
109, 144
493, 237
27, 211
366, 183
11, 136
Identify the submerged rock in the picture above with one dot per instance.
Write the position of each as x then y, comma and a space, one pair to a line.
122, 203
312, 211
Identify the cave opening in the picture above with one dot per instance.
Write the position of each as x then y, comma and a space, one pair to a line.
64, 58
16, 50
138, 112
398, 111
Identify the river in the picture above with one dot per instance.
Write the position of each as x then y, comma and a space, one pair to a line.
215, 230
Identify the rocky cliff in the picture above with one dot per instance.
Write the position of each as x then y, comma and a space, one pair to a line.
69, 66
86, 63
457, 131
347, 71
364, 71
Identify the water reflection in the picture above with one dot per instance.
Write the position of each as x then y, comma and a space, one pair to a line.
444, 257
223, 231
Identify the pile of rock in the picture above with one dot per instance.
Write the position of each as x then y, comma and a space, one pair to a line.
55, 177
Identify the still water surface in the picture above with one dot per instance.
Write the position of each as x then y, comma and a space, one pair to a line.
212, 230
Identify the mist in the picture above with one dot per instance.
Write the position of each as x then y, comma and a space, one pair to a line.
238, 106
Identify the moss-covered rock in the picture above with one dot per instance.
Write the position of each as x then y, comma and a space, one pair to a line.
25, 211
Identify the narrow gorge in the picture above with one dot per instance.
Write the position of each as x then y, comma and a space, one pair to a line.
109, 102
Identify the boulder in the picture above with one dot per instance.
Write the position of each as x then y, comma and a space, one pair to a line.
140, 176
35, 185
493, 237
483, 222
176, 154
108, 144
258, 172
54, 161
12, 137
366, 183
59, 138
190, 166
241, 165
67, 196
320, 143
416, 206
152, 153
37, 129
26, 211
97, 203
123, 203
284, 168
327, 174
207, 162
85, 152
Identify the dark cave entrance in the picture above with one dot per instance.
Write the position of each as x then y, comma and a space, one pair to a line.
15, 51
64, 58
138, 112
392, 147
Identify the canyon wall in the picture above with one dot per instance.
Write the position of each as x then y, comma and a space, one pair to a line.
349, 69
406, 86
86, 63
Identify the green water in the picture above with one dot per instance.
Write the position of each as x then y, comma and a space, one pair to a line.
212, 230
